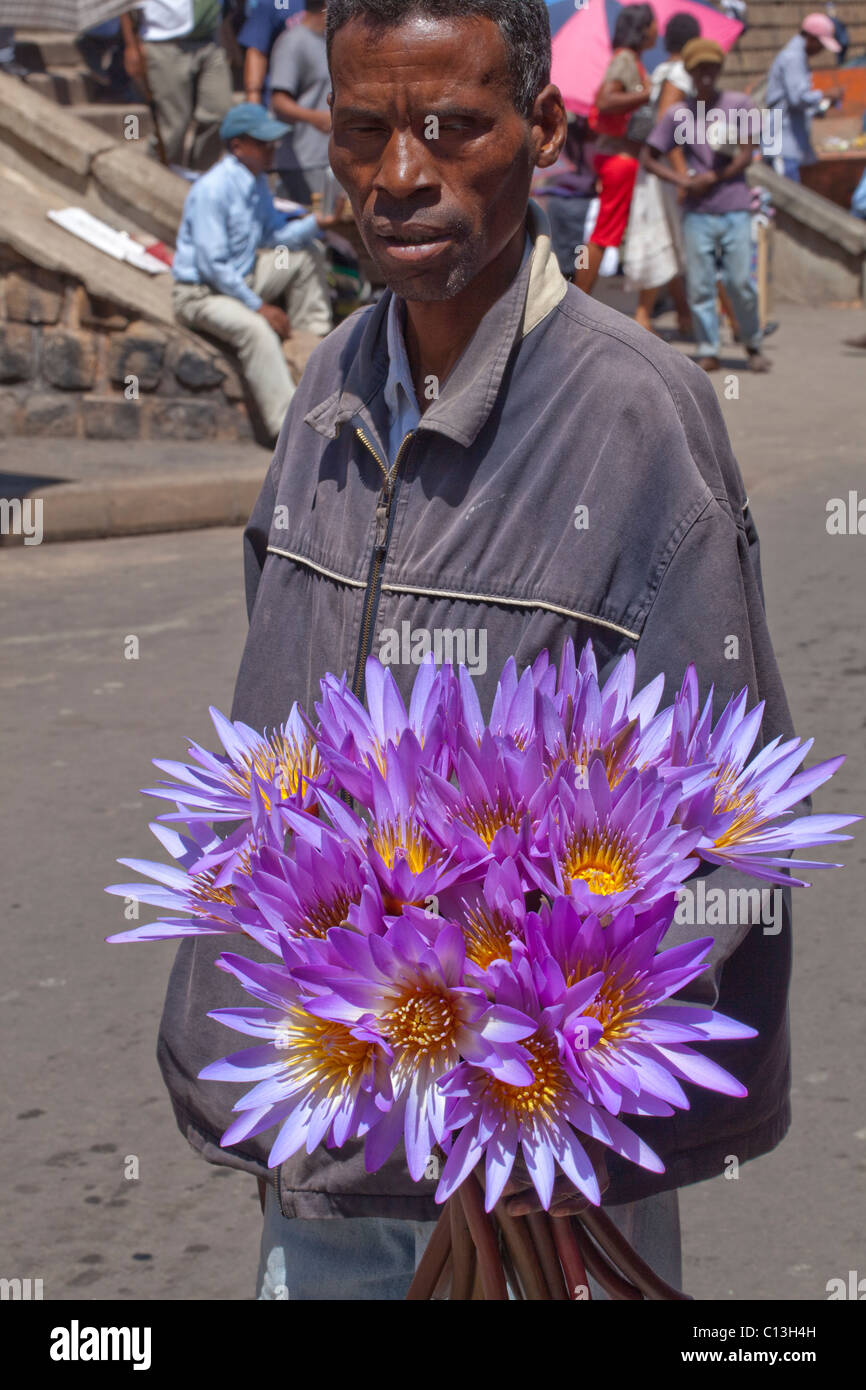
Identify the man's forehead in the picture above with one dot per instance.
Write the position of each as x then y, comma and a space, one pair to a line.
423, 58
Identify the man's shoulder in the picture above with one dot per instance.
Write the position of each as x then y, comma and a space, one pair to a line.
614, 344
649, 386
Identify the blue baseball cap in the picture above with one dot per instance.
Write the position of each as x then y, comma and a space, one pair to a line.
247, 118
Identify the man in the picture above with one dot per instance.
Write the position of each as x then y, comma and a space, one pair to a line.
258, 34
231, 288
431, 465
300, 84
790, 90
716, 210
178, 53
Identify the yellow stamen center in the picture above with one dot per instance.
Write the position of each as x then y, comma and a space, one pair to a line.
617, 1006
727, 798
326, 913
323, 1053
282, 758
486, 933
603, 858
541, 1098
423, 1024
486, 819
406, 838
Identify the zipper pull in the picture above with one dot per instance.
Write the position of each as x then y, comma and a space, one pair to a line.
382, 511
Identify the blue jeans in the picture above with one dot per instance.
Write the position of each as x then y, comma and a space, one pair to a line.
357, 1258
723, 239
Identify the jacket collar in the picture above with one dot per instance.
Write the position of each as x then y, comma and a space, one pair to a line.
473, 385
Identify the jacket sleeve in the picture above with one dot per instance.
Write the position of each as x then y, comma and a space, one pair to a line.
800, 94
709, 610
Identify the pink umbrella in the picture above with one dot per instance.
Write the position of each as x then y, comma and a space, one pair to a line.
582, 46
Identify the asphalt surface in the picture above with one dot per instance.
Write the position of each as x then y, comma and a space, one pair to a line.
81, 1092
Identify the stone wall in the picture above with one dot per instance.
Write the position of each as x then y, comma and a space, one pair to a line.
74, 365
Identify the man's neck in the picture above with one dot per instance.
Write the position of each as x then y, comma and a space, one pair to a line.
316, 22
438, 331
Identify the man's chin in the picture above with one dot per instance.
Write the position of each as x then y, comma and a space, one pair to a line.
426, 286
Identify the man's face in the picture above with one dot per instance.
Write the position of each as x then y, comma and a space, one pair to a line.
813, 45
256, 155
427, 143
706, 79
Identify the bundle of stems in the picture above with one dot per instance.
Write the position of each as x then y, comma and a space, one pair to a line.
476, 1255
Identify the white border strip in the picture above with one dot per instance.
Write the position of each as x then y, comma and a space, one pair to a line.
457, 594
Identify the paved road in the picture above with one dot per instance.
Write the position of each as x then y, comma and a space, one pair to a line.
81, 1089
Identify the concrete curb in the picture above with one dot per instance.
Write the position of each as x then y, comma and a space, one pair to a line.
118, 507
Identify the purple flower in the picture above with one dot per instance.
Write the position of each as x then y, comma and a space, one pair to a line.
316, 1078
744, 810
200, 886
643, 1051
540, 1116
408, 987
500, 795
352, 740
605, 846
283, 765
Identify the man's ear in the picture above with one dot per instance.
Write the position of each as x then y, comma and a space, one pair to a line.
549, 126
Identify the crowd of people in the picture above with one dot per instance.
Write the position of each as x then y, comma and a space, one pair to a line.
629, 183
671, 195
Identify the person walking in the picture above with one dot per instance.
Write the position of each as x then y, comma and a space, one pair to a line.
624, 88
790, 90
259, 32
178, 54
717, 205
300, 84
454, 508
243, 273
653, 243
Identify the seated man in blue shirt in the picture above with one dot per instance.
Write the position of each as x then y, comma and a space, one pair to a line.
228, 285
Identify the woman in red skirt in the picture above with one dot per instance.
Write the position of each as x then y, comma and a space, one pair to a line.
624, 89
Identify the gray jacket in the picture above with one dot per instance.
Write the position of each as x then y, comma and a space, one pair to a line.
557, 404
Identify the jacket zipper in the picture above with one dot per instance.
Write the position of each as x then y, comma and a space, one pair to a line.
383, 515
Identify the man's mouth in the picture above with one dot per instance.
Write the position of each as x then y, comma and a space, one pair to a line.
411, 243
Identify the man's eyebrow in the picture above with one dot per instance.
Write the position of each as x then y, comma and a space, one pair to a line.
357, 112
443, 113
467, 112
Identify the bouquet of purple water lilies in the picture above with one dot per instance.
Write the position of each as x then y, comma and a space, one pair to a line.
466, 919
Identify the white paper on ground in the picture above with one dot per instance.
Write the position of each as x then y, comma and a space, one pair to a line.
120, 245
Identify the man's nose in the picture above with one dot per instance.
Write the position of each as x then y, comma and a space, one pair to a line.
406, 165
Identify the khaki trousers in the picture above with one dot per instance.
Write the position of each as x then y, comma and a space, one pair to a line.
191, 81
293, 279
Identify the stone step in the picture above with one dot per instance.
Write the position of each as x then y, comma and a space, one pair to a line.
46, 48
114, 120
67, 86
